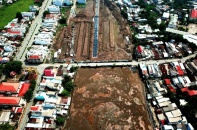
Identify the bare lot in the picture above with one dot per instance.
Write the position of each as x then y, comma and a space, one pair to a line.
108, 99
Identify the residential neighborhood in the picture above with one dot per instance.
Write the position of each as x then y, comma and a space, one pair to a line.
77, 64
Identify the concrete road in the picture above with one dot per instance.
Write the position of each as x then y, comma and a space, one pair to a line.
27, 42
41, 67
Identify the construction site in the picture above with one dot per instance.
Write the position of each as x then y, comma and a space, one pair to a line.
108, 99
76, 40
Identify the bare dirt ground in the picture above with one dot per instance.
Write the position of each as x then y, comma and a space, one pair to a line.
192, 28
113, 29
108, 99
112, 32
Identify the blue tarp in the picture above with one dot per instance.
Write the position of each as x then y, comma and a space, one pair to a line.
40, 98
48, 106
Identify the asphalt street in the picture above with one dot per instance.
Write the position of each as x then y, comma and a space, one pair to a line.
27, 42
41, 67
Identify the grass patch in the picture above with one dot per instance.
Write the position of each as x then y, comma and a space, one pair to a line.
81, 5
8, 13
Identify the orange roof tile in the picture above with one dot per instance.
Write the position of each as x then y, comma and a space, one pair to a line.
24, 89
9, 100
9, 87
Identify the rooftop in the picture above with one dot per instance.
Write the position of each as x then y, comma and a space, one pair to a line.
24, 89
194, 14
9, 87
9, 100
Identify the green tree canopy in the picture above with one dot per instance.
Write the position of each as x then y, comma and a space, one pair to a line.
60, 120
19, 16
65, 93
69, 86
6, 126
13, 66
45, 13
73, 69
162, 26
66, 79
28, 95
62, 20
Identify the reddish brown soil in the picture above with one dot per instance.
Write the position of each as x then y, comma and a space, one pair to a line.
112, 31
108, 99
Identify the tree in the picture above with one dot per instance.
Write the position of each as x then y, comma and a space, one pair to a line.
65, 93
33, 82
69, 86
62, 20
6, 126
60, 120
19, 16
66, 79
13, 66
124, 14
73, 69
162, 26
28, 95
37, 12
1, 69
45, 13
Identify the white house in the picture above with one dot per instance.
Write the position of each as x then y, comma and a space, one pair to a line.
28, 14
166, 15
54, 9
43, 42
173, 21
50, 21
81, 1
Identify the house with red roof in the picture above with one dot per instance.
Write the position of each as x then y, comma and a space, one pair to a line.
189, 92
17, 110
14, 32
193, 14
6, 87
23, 90
35, 59
192, 92
179, 70
35, 108
10, 101
50, 72
14, 28
167, 81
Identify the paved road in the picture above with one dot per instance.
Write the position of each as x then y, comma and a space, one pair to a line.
35, 26
27, 42
41, 67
